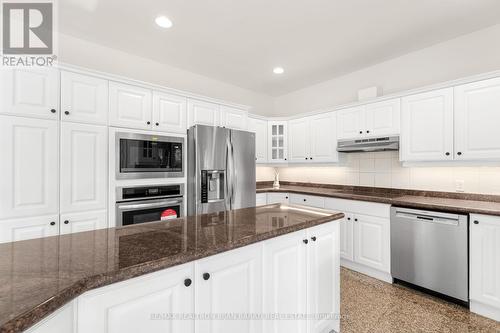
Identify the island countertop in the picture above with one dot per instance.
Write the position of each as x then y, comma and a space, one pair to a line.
39, 276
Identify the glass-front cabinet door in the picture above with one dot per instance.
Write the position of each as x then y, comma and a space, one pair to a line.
278, 144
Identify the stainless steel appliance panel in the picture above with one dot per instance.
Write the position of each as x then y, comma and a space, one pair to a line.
430, 250
242, 172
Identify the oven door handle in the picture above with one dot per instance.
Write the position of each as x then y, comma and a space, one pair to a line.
149, 205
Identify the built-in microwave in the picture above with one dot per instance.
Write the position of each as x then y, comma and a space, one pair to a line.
148, 156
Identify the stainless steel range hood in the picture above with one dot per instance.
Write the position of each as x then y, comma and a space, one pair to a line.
371, 144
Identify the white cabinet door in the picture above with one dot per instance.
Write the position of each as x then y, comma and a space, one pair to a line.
29, 174
278, 197
228, 283
142, 304
278, 141
347, 237
203, 113
62, 320
323, 138
84, 221
285, 275
259, 127
485, 261
129, 106
477, 115
84, 167
307, 200
323, 282
299, 149
383, 118
261, 199
234, 118
29, 228
372, 242
427, 126
84, 98
169, 113
30, 92
351, 123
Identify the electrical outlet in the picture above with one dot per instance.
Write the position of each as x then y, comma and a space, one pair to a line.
459, 185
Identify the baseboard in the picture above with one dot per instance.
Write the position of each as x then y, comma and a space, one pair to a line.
374, 273
485, 310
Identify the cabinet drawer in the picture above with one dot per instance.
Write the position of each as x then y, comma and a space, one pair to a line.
307, 200
359, 207
273, 198
260, 199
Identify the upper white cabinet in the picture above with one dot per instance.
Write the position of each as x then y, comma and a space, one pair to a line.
484, 265
477, 115
84, 98
169, 113
278, 141
203, 113
375, 119
259, 127
29, 174
84, 167
233, 118
30, 92
129, 106
313, 139
427, 126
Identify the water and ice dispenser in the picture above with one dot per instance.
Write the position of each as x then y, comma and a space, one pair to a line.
212, 185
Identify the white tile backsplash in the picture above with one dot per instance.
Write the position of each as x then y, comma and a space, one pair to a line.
383, 169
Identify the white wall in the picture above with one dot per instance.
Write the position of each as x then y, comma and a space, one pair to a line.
383, 169
475, 53
98, 57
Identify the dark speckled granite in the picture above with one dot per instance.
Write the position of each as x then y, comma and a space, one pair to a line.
465, 203
38, 276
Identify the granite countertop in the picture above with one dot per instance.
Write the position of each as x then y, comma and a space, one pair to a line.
462, 203
38, 276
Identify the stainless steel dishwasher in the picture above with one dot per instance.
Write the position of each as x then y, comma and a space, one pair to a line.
430, 250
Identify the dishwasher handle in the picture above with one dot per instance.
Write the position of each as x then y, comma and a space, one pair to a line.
453, 221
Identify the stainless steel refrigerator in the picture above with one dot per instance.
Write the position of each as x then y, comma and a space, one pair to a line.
221, 169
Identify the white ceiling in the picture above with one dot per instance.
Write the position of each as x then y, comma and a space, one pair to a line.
240, 41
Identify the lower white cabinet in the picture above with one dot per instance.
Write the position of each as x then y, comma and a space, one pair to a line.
261, 199
277, 197
61, 321
347, 237
484, 257
28, 228
372, 242
85, 221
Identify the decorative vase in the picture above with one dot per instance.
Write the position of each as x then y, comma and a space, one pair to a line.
276, 184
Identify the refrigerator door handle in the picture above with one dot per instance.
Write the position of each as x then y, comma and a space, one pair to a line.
229, 181
233, 175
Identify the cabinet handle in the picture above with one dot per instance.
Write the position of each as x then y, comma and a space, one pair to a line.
206, 276
348, 219
187, 282
157, 124
313, 238
286, 197
355, 220
367, 132
459, 153
52, 223
305, 241
53, 110
447, 153
305, 200
148, 122
306, 158
476, 222
66, 222
66, 112
360, 132
285, 158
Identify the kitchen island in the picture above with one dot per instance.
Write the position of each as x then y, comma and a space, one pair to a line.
243, 270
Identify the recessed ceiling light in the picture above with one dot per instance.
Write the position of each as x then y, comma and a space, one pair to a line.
164, 22
278, 70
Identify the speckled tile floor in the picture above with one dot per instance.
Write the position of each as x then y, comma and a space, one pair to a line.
370, 305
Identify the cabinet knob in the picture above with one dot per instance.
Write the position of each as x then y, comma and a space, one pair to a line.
187, 282
355, 220
53, 110
52, 223
285, 158
66, 112
305, 200
157, 124
360, 132
367, 132
286, 197
447, 153
206, 276
307, 158
66, 222
459, 153
148, 122
313, 238
305, 241
310, 158
348, 219
476, 222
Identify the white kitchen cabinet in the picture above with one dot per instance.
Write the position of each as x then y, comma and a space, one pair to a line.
61, 321
142, 304
351, 123
285, 276
323, 281
347, 237
259, 127
278, 141
30, 92
261, 199
83, 221
203, 113
29, 228
84, 167
427, 126
299, 147
277, 197
129, 106
169, 113
372, 242
484, 257
477, 115
29, 174
233, 118
84, 98
230, 282
307, 200
383, 118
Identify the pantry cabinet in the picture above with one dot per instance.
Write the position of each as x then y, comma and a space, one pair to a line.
233, 118
203, 113
84, 98
277, 141
169, 113
259, 127
484, 254
30, 92
13, 230
129, 106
